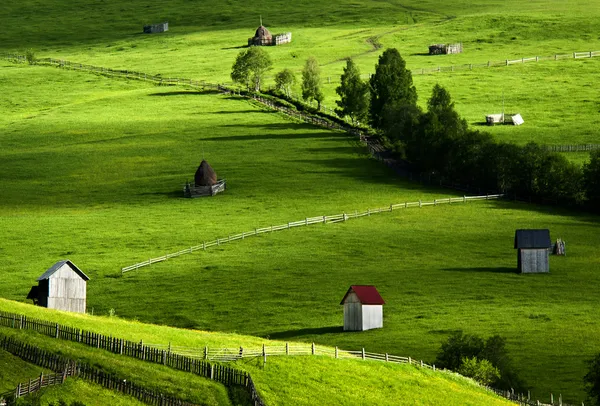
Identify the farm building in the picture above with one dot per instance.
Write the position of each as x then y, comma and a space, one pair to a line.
205, 182
156, 28
62, 287
363, 308
533, 250
443, 49
263, 37
514, 119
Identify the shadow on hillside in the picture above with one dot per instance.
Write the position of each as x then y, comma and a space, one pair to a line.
500, 269
241, 112
184, 93
237, 47
173, 194
420, 54
280, 335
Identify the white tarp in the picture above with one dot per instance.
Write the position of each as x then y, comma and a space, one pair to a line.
517, 119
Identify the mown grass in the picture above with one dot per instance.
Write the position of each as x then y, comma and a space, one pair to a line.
97, 179
299, 380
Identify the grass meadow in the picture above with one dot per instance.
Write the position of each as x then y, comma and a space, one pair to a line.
298, 380
92, 169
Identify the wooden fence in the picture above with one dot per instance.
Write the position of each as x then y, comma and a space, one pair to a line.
69, 367
572, 148
223, 374
194, 360
505, 62
336, 218
34, 385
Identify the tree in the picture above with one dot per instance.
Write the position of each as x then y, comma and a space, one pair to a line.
592, 379
311, 82
353, 92
284, 81
250, 67
591, 180
460, 346
390, 85
481, 370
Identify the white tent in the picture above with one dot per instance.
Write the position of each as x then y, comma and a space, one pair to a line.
517, 119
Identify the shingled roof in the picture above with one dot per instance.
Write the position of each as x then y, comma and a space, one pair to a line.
532, 238
367, 294
58, 265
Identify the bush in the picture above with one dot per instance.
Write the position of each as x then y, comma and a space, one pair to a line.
481, 370
592, 380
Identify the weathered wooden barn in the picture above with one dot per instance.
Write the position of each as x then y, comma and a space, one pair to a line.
443, 49
62, 287
205, 182
156, 28
363, 308
533, 250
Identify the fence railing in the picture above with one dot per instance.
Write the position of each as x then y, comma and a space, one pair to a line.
572, 148
34, 385
226, 375
196, 360
336, 218
69, 367
505, 62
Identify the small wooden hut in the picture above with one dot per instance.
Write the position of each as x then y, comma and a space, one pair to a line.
443, 49
363, 308
533, 250
62, 287
205, 182
156, 28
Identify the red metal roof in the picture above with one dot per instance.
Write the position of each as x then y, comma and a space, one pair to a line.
367, 294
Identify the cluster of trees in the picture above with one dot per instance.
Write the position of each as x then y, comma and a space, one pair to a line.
439, 142
252, 64
485, 360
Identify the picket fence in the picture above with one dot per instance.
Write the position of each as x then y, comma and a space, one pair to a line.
505, 62
196, 360
226, 375
305, 222
34, 385
572, 148
69, 367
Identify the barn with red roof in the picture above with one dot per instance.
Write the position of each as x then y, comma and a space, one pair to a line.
363, 308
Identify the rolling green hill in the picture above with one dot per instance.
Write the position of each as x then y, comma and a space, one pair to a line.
92, 168
298, 380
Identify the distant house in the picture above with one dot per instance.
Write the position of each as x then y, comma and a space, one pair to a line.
363, 308
156, 28
62, 287
533, 250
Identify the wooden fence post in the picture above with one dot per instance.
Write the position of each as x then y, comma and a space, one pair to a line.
363, 353
287, 348
312, 349
420, 204
386, 357
212, 371
57, 331
336, 352
206, 352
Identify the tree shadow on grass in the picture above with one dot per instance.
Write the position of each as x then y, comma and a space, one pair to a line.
499, 269
280, 335
172, 194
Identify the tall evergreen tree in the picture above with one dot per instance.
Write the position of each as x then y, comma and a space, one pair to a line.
353, 92
311, 82
391, 85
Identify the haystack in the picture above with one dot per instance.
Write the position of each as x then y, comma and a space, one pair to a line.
261, 37
205, 175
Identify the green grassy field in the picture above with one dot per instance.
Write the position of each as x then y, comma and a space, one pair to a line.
297, 380
92, 168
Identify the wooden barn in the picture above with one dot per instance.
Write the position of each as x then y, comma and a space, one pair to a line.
156, 28
533, 250
363, 308
205, 182
62, 287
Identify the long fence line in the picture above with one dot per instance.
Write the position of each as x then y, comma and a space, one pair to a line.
196, 360
68, 367
305, 222
506, 62
572, 148
226, 375
33, 385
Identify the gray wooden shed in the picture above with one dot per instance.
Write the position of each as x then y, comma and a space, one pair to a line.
533, 250
62, 287
363, 308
